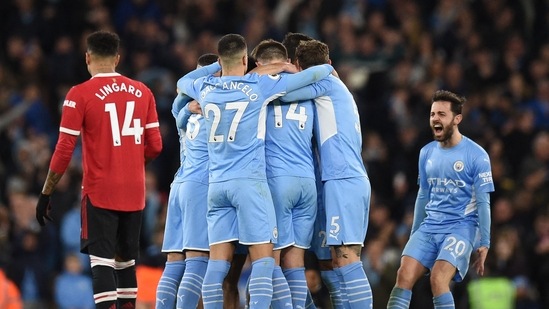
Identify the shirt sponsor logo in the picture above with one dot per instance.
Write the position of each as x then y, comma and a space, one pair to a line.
69, 103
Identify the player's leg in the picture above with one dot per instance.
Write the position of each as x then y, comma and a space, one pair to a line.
231, 295
441, 275
303, 215
286, 193
127, 250
195, 242
167, 288
98, 239
347, 209
452, 263
190, 288
257, 228
418, 256
222, 231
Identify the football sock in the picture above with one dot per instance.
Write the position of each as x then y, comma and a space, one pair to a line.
166, 290
342, 290
444, 301
330, 279
298, 285
261, 283
357, 286
399, 299
127, 284
190, 287
212, 287
104, 282
282, 297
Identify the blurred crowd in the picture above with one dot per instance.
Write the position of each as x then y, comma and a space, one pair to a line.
392, 54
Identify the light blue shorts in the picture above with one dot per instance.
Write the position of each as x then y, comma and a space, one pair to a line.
318, 243
347, 203
186, 218
427, 248
243, 210
294, 200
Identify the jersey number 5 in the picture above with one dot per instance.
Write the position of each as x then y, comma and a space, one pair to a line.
127, 129
240, 107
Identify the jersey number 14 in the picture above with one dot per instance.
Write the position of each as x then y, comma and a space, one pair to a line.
127, 129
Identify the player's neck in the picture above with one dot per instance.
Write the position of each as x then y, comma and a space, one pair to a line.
232, 72
452, 141
101, 68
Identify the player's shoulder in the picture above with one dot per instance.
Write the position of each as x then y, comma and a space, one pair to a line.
429, 146
474, 147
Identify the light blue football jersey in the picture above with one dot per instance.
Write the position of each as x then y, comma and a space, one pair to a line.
234, 109
193, 145
338, 127
288, 140
451, 177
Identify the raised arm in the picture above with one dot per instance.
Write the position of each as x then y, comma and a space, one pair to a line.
308, 76
203, 71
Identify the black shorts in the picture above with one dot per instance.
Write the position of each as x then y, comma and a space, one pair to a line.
109, 233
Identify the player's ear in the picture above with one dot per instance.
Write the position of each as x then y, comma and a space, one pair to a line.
457, 119
116, 60
330, 61
88, 58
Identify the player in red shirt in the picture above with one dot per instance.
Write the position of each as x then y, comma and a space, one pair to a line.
117, 119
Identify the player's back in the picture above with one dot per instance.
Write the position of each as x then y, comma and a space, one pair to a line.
195, 166
288, 140
338, 131
112, 113
452, 176
235, 110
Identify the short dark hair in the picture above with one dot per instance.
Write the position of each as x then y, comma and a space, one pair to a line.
103, 43
269, 50
310, 53
231, 45
456, 101
291, 42
207, 59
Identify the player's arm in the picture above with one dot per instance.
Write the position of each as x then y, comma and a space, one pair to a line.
422, 198
483, 207
419, 209
187, 79
307, 76
58, 165
153, 139
275, 68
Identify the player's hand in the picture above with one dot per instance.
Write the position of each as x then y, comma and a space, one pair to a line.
289, 68
482, 252
42, 209
194, 107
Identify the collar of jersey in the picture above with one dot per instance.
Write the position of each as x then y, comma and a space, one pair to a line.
106, 74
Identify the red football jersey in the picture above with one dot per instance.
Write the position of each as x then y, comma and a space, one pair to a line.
117, 119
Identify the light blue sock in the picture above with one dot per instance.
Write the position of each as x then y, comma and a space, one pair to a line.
444, 301
399, 299
261, 283
212, 287
190, 287
166, 291
282, 298
342, 289
357, 286
330, 279
298, 285
309, 303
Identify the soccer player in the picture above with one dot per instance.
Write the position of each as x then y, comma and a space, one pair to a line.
291, 178
452, 204
346, 185
240, 206
120, 133
318, 244
185, 241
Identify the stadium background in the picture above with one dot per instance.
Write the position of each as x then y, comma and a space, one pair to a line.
392, 54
